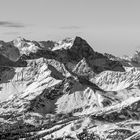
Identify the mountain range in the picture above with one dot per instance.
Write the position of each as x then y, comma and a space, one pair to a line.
66, 90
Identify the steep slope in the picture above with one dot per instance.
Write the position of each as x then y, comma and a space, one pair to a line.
65, 89
114, 81
70, 52
82, 68
6, 62
16, 79
25, 46
75, 103
10, 51
127, 61
124, 60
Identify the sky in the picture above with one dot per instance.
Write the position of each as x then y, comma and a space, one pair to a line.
111, 26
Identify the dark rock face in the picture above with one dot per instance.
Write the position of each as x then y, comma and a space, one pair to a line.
4, 61
81, 49
10, 51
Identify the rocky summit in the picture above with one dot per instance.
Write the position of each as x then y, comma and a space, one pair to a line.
66, 90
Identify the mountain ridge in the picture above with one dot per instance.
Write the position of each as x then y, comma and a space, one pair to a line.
61, 87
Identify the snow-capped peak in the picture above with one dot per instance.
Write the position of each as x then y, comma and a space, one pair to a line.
64, 44
25, 46
18, 41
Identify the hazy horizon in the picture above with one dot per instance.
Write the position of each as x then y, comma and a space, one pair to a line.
108, 26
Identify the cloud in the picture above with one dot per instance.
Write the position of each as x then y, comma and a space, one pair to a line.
11, 33
11, 24
70, 27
